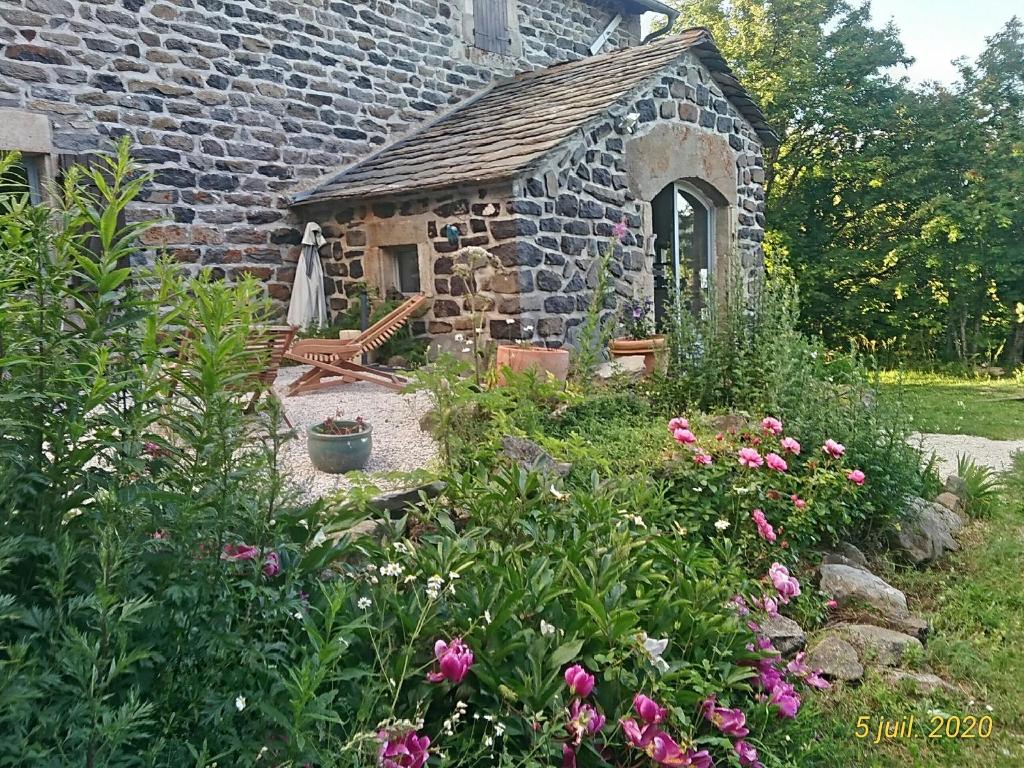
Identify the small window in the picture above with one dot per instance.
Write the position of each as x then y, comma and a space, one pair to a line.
25, 178
405, 266
491, 29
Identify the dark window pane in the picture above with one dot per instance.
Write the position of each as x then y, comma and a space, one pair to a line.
406, 261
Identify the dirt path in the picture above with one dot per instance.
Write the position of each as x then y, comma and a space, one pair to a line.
994, 453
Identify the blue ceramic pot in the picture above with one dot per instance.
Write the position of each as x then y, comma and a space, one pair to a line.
339, 453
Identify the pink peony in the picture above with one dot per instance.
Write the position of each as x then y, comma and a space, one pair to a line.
406, 751
750, 458
831, 604
856, 476
584, 720
833, 449
747, 755
271, 565
764, 528
580, 682
798, 668
731, 722
702, 458
238, 552
789, 445
771, 426
786, 585
678, 423
568, 756
454, 661
785, 697
661, 747
797, 501
684, 436
776, 462
740, 605
648, 709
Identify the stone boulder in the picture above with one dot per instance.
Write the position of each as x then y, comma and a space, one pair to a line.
955, 484
628, 365
923, 683
532, 458
926, 530
879, 645
785, 634
397, 503
845, 553
851, 586
836, 658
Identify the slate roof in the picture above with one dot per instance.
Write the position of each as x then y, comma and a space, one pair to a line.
503, 131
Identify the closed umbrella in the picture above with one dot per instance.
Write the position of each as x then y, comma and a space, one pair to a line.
309, 305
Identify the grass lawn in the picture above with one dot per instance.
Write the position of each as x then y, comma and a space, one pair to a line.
957, 406
975, 601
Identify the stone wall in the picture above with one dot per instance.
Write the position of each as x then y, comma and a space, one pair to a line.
236, 104
546, 227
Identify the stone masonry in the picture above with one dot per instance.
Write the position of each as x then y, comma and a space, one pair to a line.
546, 227
234, 105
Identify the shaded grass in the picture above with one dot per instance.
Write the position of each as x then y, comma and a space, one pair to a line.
940, 403
975, 601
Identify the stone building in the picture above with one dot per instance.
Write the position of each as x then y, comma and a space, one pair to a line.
245, 111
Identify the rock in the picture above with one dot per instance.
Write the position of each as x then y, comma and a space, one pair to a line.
924, 532
837, 558
785, 634
530, 456
923, 682
836, 658
396, 503
850, 552
397, 361
882, 646
952, 502
956, 485
632, 365
428, 422
852, 585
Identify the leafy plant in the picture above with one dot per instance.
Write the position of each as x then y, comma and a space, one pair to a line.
982, 486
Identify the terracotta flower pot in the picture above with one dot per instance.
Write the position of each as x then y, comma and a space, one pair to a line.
519, 359
650, 348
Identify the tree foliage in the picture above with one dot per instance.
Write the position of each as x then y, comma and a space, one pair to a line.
895, 206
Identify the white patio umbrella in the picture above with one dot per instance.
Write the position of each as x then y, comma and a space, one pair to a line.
308, 304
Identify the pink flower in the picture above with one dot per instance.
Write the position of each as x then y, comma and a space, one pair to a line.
238, 552
271, 565
797, 501
454, 661
789, 445
831, 604
684, 436
764, 528
856, 476
160, 534
786, 585
678, 423
661, 748
770, 605
798, 668
740, 605
771, 426
785, 697
580, 682
731, 722
620, 230
702, 458
584, 720
406, 751
833, 449
776, 462
747, 755
750, 458
648, 709
568, 756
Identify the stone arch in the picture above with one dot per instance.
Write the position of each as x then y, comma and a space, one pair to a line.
671, 152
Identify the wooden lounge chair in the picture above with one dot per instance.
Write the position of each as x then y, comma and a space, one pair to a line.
334, 361
271, 342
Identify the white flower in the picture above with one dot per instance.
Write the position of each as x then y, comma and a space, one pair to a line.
487, 617
547, 629
409, 579
240, 703
459, 337
557, 493
297, 615
721, 525
453, 575
263, 751
655, 648
364, 603
434, 585
391, 569
499, 728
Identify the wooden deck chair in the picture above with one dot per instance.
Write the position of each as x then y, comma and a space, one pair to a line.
272, 342
334, 361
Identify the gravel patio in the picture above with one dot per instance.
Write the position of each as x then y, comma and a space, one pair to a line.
399, 445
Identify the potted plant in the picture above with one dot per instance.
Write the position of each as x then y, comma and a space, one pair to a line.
640, 339
523, 356
338, 445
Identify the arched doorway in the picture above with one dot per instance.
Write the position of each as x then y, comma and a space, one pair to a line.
683, 220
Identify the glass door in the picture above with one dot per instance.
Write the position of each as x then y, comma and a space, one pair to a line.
684, 257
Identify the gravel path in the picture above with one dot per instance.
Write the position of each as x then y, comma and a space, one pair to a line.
994, 453
398, 443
